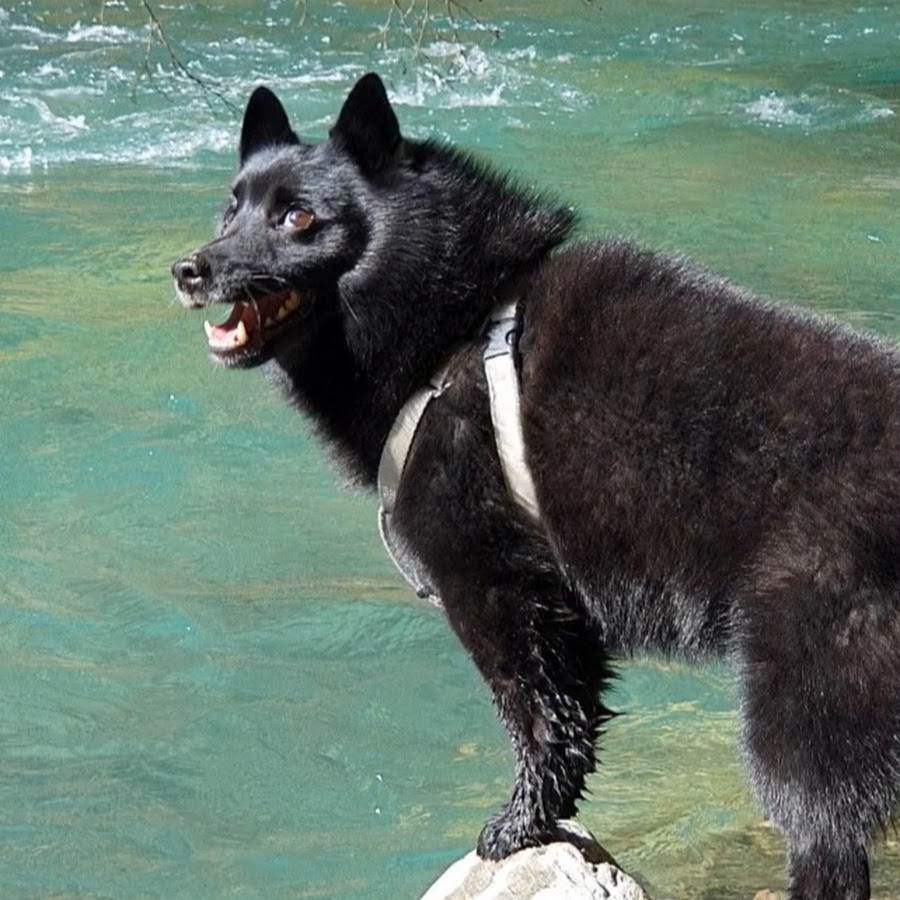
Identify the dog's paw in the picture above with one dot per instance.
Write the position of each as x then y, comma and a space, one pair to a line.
504, 835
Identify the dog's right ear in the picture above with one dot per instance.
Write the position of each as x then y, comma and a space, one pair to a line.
265, 124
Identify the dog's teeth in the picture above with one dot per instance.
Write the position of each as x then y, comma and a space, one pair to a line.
223, 340
292, 303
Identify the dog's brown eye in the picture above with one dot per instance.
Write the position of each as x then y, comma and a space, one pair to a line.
297, 218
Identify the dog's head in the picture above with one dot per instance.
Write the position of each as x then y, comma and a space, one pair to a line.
388, 249
298, 219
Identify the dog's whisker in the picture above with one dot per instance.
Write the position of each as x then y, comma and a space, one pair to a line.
350, 309
264, 278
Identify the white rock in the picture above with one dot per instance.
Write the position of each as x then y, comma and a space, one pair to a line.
553, 872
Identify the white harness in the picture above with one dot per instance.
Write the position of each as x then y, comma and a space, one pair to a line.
503, 387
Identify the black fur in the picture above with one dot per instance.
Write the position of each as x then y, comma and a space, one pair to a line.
717, 475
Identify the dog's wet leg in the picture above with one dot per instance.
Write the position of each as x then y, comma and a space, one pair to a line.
546, 670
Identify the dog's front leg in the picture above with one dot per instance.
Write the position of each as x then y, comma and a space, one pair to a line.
545, 668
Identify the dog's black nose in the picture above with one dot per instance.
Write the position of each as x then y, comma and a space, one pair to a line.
190, 272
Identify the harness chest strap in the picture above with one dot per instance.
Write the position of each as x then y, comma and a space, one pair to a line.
503, 388
390, 470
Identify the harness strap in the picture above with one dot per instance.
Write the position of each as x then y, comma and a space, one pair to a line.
503, 388
506, 415
400, 438
390, 470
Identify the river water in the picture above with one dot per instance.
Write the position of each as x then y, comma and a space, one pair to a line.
213, 682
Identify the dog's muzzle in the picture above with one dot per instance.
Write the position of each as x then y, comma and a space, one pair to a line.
190, 274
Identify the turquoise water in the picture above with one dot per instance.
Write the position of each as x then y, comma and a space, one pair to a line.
213, 682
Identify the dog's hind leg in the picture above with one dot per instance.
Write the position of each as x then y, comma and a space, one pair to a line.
545, 669
820, 872
813, 788
821, 718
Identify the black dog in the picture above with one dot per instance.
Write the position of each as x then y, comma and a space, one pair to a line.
713, 474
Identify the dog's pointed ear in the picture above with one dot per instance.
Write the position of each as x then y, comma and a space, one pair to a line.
265, 124
367, 127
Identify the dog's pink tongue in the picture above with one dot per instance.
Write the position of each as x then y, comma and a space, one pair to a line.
234, 333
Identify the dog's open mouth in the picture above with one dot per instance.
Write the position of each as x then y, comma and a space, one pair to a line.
252, 323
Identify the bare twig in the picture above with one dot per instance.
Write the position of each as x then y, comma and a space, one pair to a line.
395, 7
416, 21
459, 5
156, 32
423, 24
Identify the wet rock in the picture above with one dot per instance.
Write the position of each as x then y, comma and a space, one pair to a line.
576, 868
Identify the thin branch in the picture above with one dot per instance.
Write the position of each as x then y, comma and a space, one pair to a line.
416, 21
156, 31
422, 26
458, 4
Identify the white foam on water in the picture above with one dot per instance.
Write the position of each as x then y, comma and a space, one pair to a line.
332, 75
62, 125
76, 91
48, 70
771, 109
165, 149
32, 31
431, 91
459, 76
102, 34
19, 163
834, 109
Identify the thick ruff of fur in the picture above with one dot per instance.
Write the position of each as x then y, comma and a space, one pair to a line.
717, 475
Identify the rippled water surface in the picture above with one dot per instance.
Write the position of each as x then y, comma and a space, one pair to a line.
213, 682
